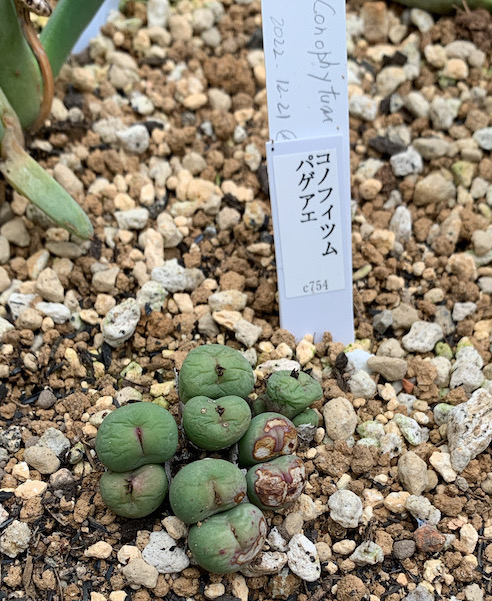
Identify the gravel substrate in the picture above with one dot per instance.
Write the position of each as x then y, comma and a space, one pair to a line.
159, 132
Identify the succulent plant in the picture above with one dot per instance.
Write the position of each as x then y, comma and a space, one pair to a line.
308, 417
258, 406
214, 424
277, 483
306, 424
136, 435
215, 371
226, 542
291, 392
269, 435
205, 487
134, 494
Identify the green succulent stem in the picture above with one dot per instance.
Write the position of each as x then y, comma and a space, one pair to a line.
68, 21
31, 180
20, 76
443, 7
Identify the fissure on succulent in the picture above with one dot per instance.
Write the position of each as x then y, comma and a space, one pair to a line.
221, 501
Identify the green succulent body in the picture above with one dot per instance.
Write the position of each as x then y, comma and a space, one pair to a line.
290, 393
228, 541
205, 487
215, 371
134, 494
214, 424
136, 435
308, 417
269, 435
258, 406
277, 483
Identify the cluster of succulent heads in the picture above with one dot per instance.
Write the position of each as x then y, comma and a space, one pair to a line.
221, 501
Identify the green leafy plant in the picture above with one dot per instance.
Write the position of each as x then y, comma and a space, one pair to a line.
27, 70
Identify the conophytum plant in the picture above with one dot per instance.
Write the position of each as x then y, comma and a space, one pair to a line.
28, 67
222, 505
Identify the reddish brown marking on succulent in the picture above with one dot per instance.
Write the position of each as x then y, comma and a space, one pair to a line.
275, 422
279, 438
220, 371
288, 476
139, 433
264, 448
275, 488
270, 487
255, 548
290, 441
284, 434
220, 410
239, 497
296, 480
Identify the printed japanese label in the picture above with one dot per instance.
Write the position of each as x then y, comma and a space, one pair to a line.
308, 192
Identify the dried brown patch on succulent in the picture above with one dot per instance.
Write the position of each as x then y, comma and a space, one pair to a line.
279, 438
277, 483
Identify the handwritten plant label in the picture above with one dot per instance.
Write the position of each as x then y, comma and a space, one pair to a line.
306, 64
308, 163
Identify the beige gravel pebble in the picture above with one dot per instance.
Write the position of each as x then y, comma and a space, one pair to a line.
99, 550
344, 547
140, 572
42, 459
441, 462
30, 489
128, 552
412, 472
305, 351
214, 590
21, 471
175, 527
48, 285
239, 587
293, 524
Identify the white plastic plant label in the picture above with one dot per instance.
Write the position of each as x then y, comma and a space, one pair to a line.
308, 164
92, 30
